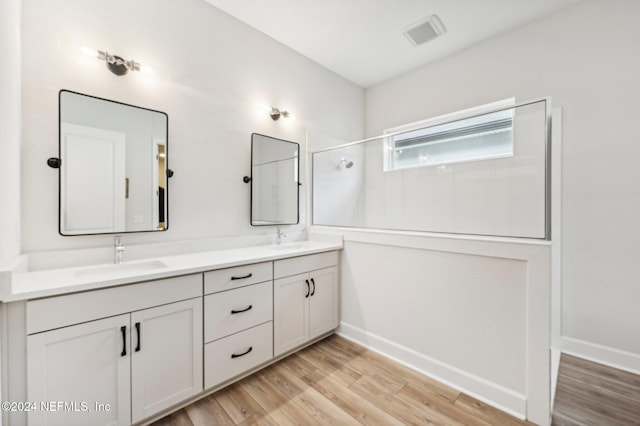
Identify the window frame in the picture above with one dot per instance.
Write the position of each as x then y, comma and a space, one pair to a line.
390, 134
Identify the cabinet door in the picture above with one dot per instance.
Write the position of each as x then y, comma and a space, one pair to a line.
83, 371
290, 312
166, 356
323, 301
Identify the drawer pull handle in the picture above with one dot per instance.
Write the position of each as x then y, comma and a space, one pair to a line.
241, 278
123, 329
243, 353
242, 310
314, 287
308, 289
139, 336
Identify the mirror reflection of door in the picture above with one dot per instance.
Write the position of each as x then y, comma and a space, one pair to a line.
159, 188
130, 174
274, 181
92, 179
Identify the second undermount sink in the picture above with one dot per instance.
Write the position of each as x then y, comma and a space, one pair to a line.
289, 246
120, 269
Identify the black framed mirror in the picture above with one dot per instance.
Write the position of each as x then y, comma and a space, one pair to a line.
113, 167
275, 181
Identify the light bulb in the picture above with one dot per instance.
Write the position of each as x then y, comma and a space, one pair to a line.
89, 51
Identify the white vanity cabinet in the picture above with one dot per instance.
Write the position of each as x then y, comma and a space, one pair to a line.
238, 321
120, 352
305, 300
143, 355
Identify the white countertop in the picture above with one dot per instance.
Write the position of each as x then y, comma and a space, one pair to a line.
53, 282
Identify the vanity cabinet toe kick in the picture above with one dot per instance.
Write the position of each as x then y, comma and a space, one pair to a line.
132, 353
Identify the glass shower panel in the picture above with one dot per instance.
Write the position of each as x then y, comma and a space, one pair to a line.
466, 178
338, 187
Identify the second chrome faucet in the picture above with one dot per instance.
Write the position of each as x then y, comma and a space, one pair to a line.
279, 235
118, 250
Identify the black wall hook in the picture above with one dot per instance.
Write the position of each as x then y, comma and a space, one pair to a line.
246, 179
169, 173
54, 162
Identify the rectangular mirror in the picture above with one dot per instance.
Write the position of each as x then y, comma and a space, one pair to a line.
274, 181
113, 168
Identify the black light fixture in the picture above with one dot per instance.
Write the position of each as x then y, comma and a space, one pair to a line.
116, 64
276, 113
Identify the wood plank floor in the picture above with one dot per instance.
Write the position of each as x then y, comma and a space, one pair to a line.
338, 382
592, 394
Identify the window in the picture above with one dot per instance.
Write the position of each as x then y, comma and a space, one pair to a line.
458, 139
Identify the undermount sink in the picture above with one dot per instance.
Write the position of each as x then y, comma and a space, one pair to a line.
289, 246
120, 268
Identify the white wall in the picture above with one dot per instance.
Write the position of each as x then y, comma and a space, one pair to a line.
10, 128
425, 301
10, 136
217, 75
583, 57
471, 312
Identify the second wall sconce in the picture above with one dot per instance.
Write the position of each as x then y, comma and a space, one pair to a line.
276, 113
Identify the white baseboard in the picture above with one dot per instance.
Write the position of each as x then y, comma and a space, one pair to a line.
486, 391
555, 369
605, 355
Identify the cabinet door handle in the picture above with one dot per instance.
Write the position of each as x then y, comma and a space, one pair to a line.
241, 278
314, 287
123, 329
241, 310
139, 336
243, 353
308, 289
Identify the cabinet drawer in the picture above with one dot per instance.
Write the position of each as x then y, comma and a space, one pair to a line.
239, 276
302, 264
236, 354
229, 312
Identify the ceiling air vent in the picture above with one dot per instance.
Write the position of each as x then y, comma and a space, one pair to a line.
425, 30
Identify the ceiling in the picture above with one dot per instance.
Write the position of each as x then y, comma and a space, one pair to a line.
362, 40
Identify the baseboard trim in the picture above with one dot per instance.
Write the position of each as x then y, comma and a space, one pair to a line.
555, 369
601, 354
486, 391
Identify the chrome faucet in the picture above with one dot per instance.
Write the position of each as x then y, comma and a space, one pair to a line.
279, 235
118, 250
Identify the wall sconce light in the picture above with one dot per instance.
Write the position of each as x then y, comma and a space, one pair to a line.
276, 113
115, 63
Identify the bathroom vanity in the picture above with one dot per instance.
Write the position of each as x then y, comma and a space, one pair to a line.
122, 344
